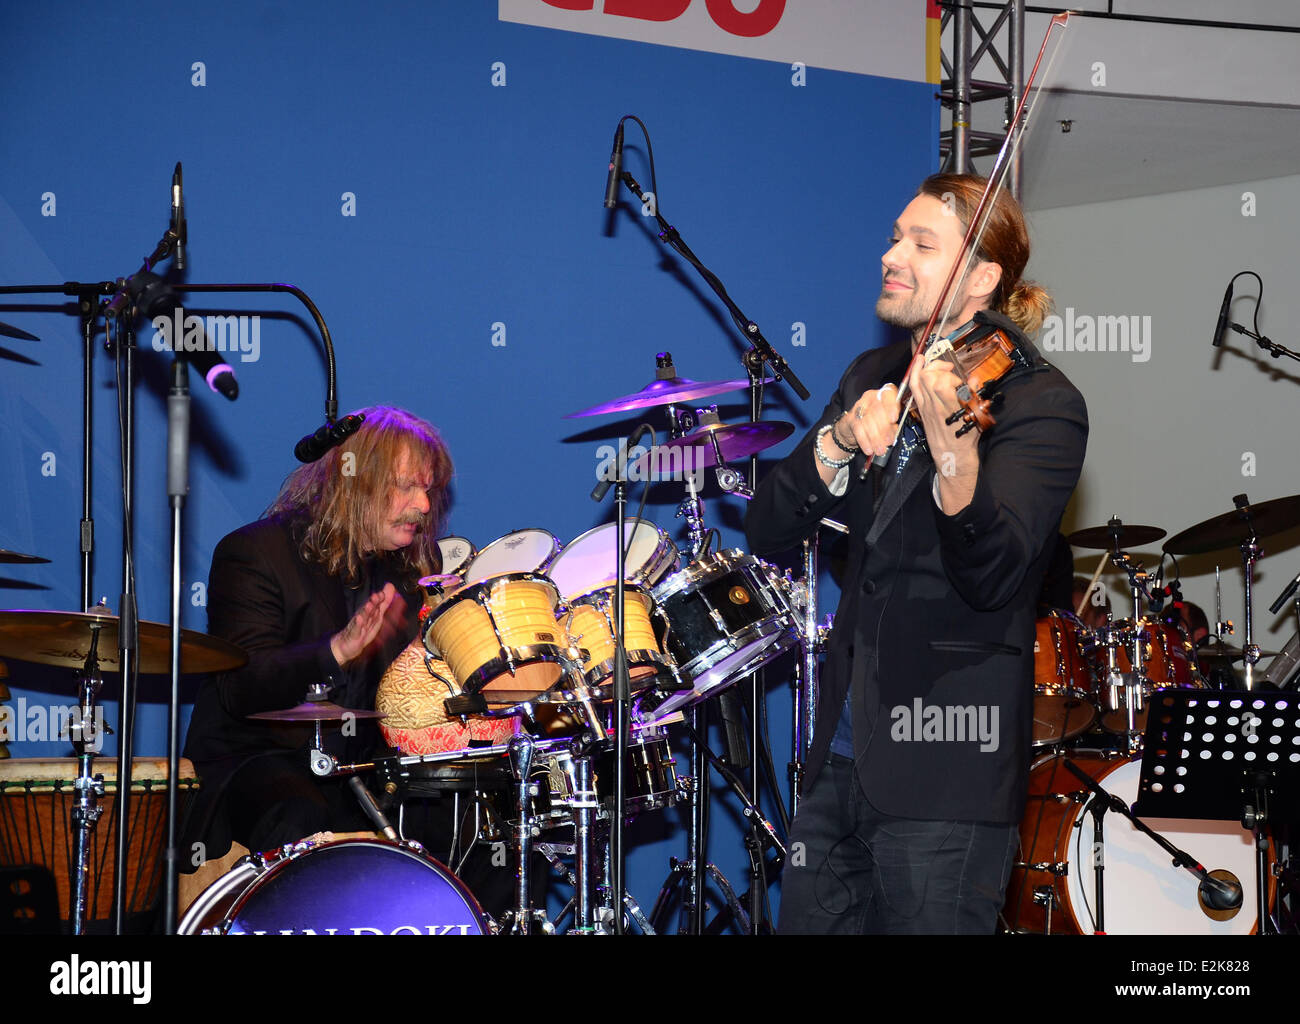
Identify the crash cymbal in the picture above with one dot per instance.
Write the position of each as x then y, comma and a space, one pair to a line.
8, 557
316, 711
15, 332
1232, 529
668, 391
63, 639
736, 441
1102, 538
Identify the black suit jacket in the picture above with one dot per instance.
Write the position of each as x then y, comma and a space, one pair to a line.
940, 609
282, 611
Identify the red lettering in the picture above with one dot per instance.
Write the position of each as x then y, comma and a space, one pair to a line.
758, 22
648, 10
572, 5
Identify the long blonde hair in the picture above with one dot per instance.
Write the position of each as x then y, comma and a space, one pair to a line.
337, 506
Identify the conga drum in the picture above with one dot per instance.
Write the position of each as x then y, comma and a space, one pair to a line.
36, 801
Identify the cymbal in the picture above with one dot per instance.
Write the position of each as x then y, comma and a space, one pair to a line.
63, 639
8, 557
1232, 529
1102, 538
316, 711
16, 332
668, 391
1215, 650
737, 441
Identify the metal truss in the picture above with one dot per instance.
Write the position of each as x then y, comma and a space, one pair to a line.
959, 90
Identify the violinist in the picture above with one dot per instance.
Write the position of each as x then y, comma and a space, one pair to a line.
918, 769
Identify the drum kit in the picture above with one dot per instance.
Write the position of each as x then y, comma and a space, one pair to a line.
1094, 687
505, 699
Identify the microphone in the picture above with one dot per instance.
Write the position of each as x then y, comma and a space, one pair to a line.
1276, 606
1223, 316
178, 217
615, 169
599, 491
371, 808
312, 446
1218, 894
156, 299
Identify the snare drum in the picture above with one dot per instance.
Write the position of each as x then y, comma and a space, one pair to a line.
523, 551
1145, 894
500, 639
589, 623
456, 552
344, 887
722, 616
588, 563
36, 801
1063, 705
412, 693
650, 779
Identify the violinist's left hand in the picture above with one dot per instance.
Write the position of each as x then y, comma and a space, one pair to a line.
956, 459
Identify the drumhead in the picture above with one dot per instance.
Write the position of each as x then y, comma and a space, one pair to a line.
356, 887
456, 553
520, 551
1145, 893
589, 562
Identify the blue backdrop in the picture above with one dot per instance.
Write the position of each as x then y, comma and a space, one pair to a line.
432, 178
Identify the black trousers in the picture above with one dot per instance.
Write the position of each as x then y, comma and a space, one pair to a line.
855, 871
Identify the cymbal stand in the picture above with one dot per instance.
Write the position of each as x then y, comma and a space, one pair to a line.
1126, 687
521, 760
1250, 553
89, 788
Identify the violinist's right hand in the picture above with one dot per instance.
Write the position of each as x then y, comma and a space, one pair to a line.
872, 421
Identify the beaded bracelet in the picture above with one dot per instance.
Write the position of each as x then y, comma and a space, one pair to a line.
835, 437
821, 456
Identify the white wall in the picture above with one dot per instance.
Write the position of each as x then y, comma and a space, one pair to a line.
1175, 437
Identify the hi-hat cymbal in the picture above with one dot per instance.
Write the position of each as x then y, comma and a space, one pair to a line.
63, 639
17, 332
1232, 529
736, 441
8, 557
1103, 538
667, 391
316, 711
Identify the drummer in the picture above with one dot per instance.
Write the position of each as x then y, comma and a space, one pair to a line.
323, 588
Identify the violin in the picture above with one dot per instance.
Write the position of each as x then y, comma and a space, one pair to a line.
983, 355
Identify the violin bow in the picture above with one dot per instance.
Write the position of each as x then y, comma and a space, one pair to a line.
965, 259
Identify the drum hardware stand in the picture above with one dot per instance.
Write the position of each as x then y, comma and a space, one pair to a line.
1250, 553
1045, 897
89, 788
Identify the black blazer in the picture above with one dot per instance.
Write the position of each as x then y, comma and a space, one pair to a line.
282, 611
940, 609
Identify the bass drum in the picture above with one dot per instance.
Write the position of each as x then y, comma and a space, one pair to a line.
339, 887
1145, 894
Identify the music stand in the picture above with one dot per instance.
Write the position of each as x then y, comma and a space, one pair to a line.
1224, 755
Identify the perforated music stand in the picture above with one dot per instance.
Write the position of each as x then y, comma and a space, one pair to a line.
1224, 755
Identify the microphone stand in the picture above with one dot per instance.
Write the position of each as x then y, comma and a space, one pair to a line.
1267, 344
1103, 801
759, 354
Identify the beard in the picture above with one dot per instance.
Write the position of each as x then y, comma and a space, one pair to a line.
902, 309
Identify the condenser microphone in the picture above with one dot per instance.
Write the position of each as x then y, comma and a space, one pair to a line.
615, 169
1223, 316
178, 217
312, 446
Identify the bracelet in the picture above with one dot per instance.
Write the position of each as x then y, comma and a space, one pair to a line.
834, 437
821, 457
